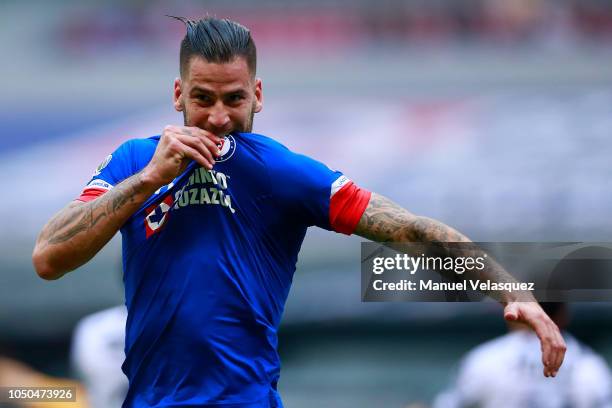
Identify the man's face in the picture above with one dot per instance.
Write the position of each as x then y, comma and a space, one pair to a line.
220, 98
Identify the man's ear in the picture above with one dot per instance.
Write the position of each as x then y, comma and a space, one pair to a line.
177, 96
258, 95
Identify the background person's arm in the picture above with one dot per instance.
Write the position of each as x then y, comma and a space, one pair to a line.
75, 234
385, 221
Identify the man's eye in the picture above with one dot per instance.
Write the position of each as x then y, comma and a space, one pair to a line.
203, 98
236, 98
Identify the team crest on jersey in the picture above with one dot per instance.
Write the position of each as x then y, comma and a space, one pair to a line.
157, 216
227, 147
103, 165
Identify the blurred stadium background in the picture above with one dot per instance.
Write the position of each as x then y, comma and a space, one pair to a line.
494, 116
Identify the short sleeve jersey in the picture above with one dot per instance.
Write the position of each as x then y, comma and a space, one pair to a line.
208, 262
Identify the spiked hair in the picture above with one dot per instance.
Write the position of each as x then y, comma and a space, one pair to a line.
216, 40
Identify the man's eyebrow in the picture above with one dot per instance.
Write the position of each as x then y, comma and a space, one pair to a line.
197, 89
238, 91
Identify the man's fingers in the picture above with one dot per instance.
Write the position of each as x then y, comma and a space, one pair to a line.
203, 139
204, 134
553, 346
552, 343
199, 145
210, 140
560, 348
212, 147
511, 312
197, 157
545, 335
547, 352
206, 138
557, 347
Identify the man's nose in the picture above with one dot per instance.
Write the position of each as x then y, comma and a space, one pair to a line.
218, 117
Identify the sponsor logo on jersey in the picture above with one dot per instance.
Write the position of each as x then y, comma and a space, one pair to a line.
98, 183
338, 184
227, 147
157, 216
103, 165
205, 187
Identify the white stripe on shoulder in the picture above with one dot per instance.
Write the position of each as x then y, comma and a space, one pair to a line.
338, 184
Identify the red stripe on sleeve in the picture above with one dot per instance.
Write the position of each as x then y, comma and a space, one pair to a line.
90, 193
346, 208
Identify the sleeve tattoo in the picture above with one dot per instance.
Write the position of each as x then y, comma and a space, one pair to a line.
385, 221
80, 217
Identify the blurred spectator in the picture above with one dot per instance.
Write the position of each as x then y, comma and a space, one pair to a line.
506, 372
97, 356
134, 26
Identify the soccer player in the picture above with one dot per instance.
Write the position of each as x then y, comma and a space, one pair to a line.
212, 218
584, 382
97, 354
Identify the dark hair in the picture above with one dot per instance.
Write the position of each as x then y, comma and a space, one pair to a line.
216, 40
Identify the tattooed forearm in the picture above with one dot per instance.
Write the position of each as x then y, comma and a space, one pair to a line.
83, 217
70, 223
79, 231
385, 221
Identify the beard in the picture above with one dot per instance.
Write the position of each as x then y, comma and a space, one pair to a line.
246, 127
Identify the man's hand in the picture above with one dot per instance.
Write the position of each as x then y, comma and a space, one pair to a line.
553, 345
177, 146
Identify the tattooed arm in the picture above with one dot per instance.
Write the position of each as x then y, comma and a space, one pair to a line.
385, 221
75, 234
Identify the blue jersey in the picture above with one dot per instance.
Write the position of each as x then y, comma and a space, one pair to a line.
208, 262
